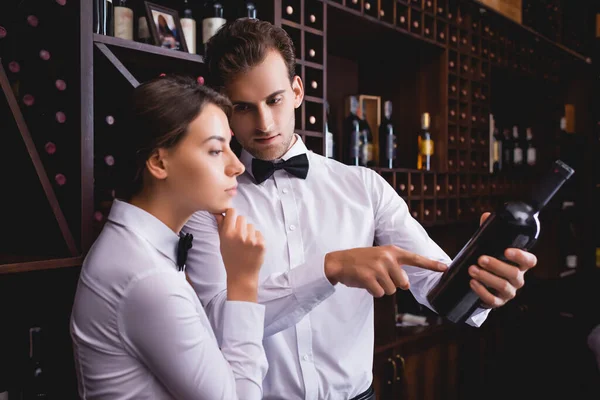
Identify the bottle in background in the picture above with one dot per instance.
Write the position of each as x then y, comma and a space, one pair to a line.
495, 143
212, 20
250, 10
352, 132
329, 141
123, 19
188, 25
425, 144
387, 138
35, 385
367, 158
497, 151
531, 152
569, 238
517, 150
507, 149
142, 29
103, 17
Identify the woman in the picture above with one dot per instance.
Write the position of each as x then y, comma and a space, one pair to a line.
138, 328
166, 35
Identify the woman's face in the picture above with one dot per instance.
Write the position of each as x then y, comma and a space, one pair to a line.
202, 169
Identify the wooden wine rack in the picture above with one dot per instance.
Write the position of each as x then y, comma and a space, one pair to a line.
462, 41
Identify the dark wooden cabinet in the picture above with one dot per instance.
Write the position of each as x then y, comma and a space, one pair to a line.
459, 60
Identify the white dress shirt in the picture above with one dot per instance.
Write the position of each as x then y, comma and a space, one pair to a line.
139, 330
319, 338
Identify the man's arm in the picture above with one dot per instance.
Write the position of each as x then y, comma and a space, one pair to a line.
287, 296
394, 225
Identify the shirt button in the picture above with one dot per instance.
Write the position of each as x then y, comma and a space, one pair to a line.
305, 357
285, 191
292, 227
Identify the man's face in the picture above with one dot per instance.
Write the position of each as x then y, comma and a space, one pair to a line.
263, 107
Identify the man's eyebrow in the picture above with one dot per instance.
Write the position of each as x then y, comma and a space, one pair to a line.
276, 93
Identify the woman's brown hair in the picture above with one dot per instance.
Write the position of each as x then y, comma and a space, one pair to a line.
161, 111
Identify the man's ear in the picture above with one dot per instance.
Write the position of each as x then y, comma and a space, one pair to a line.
157, 164
298, 89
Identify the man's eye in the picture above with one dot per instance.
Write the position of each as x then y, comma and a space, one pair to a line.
275, 100
241, 108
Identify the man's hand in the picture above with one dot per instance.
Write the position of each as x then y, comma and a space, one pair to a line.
502, 278
377, 269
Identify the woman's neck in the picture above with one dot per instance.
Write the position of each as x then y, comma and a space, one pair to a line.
162, 208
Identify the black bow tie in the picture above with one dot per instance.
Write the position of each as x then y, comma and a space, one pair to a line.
185, 243
297, 166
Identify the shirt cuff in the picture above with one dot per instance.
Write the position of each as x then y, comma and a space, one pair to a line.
309, 283
478, 317
243, 321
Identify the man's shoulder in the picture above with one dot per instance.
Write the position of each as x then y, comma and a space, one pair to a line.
338, 168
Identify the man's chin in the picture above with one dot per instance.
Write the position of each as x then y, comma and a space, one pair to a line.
268, 154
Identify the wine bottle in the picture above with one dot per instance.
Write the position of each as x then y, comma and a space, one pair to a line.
212, 19
531, 152
496, 140
352, 130
425, 144
108, 18
143, 31
188, 25
517, 150
98, 15
329, 142
387, 138
507, 149
123, 19
366, 138
35, 386
513, 225
568, 242
250, 10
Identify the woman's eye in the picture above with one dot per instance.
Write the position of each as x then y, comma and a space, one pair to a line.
215, 152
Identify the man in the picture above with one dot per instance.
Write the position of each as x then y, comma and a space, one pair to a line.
319, 226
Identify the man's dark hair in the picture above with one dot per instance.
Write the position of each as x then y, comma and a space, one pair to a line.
242, 44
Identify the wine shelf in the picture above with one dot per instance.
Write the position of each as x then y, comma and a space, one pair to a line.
470, 44
136, 49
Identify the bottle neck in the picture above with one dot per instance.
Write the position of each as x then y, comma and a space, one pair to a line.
547, 187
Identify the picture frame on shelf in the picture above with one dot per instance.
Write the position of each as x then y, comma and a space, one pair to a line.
165, 27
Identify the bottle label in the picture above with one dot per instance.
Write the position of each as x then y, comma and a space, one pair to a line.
124, 23
210, 26
188, 25
143, 31
518, 155
531, 155
426, 147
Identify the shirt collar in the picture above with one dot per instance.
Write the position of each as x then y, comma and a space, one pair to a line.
297, 148
146, 225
